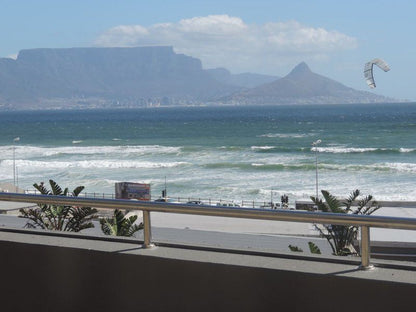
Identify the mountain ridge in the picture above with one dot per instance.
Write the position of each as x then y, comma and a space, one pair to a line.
47, 78
244, 80
302, 86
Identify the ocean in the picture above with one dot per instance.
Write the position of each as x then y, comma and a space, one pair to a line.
230, 153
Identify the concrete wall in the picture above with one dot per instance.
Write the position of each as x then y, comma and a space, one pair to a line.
39, 276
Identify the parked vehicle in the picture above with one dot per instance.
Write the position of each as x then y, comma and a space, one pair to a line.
166, 200
195, 202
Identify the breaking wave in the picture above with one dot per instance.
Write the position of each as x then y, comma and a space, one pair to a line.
257, 166
286, 135
349, 150
99, 164
35, 151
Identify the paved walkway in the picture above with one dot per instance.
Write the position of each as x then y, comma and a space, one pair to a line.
256, 227
12, 207
208, 238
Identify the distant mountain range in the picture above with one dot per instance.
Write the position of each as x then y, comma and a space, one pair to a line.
302, 86
152, 76
245, 80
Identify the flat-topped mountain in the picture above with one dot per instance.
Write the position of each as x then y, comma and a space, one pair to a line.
131, 76
149, 76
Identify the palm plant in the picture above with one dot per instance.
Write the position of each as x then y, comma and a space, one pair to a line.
59, 217
341, 237
119, 225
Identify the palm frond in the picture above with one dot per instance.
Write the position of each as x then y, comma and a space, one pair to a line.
59, 217
56, 189
320, 204
108, 227
80, 219
371, 208
362, 203
295, 248
41, 188
77, 191
133, 228
327, 236
341, 237
119, 225
351, 199
333, 203
313, 248
35, 218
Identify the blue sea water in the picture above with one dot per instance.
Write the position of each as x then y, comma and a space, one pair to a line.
233, 153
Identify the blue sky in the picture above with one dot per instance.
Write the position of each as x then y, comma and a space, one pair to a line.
265, 36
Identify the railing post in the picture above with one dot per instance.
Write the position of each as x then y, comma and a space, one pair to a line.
365, 249
147, 230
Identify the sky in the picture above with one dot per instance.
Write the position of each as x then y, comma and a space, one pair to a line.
335, 38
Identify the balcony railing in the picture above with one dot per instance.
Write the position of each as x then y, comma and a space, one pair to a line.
364, 222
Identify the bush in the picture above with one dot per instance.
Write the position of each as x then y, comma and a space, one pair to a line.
341, 237
58, 217
119, 225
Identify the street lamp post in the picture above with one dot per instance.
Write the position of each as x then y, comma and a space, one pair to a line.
14, 162
315, 145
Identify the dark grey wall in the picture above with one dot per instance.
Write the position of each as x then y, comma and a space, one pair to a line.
50, 278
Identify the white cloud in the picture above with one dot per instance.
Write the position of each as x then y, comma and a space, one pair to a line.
12, 56
226, 41
222, 25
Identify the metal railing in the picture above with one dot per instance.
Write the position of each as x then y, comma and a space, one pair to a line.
365, 222
184, 200
245, 203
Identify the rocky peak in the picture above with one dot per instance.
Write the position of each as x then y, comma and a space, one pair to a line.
300, 69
